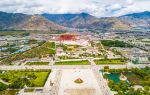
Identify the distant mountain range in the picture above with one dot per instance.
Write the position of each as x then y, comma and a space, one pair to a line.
137, 19
85, 20
72, 20
17, 21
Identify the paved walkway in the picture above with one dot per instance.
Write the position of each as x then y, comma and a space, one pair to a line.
92, 62
2, 67
55, 88
4, 82
102, 83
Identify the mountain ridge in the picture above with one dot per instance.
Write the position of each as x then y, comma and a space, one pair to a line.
19, 21
121, 22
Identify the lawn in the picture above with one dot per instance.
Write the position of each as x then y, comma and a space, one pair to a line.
18, 79
37, 63
83, 62
28, 90
41, 79
110, 61
8, 92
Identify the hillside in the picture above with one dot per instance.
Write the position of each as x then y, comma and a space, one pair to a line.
71, 20
84, 20
137, 19
8, 20
37, 22
17, 21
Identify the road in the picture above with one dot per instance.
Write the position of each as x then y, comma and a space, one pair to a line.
2, 67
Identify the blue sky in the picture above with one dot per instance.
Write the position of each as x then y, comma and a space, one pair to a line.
99, 8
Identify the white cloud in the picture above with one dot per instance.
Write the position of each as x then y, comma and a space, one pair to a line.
98, 8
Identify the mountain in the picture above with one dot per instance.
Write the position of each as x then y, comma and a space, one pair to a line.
141, 15
17, 21
141, 19
71, 20
37, 22
84, 20
110, 23
9, 19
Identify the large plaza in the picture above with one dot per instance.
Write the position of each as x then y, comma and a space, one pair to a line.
89, 85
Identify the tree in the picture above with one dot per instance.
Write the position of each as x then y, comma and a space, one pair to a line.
111, 84
120, 93
123, 85
117, 88
136, 61
106, 67
17, 84
147, 68
3, 87
146, 87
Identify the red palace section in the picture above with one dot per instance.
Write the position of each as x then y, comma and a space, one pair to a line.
67, 37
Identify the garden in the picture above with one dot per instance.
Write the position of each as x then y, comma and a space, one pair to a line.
133, 77
19, 79
83, 62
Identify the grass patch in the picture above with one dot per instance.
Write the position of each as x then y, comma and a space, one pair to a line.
28, 90
18, 79
83, 62
37, 63
110, 61
8, 92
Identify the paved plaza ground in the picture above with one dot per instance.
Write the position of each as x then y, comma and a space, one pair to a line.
69, 87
